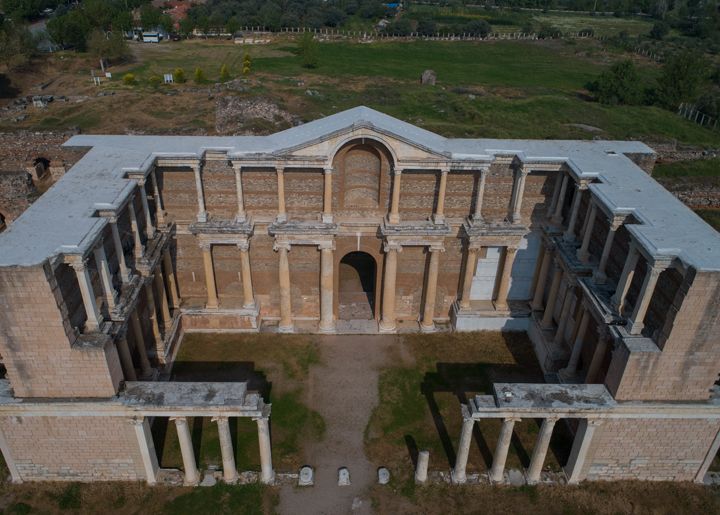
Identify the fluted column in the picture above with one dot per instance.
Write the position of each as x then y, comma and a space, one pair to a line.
394, 216
583, 254
248, 295
327, 216
626, 277
267, 474
119, 252
149, 224
282, 214
164, 307
557, 215
569, 234
105, 276
642, 303
202, 215
152, 308
388, 322
497, 472
159, 210
571, 369
240, 216
145, 368
327, 316
427, 324
501, 303
138, 247
518, 193
547, 319
286, 323
540, 450
477, 213
593, 372
556, 194
212, 300
230, 474
94, 317
171, 282
537, 302
459, 471
564, 315
471, 258
600, 274
439, 215
126, 361
192, 476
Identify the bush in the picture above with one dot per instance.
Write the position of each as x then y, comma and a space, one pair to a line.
179, 76
247, 64
224, 73
129, 79
680, 80
548, 32
155, 81
618, 85
308, 50
477, 28
659, 30
199, 76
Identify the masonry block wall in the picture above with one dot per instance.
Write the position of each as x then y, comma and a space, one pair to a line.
73, 448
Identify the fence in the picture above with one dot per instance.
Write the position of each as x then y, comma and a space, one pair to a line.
690, 112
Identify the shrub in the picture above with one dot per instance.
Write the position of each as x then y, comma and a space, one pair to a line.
199, 76
179, 75
247, 64
659, 30
308, 50
618, 85
477, 28
155, 81
681, 78
224, 73
129, 79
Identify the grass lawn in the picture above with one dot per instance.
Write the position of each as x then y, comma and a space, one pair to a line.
694, 168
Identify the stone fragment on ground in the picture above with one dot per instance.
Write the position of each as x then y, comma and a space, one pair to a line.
515, 477
306, 477
343, 477
383, 476
208, 479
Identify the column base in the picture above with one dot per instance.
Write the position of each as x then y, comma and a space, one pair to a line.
327, 219
501, 306
458, 479
428, 328
599, 278
328, 328
393, 219
286, 328
281, 218
583, 257
438, 219
636, 328
567, 376
191, 483
212, 306
268, 481
240, 218
231, 481
536, 307
250, 305
202, 217
387, 327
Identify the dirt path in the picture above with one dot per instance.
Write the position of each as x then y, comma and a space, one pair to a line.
344, 391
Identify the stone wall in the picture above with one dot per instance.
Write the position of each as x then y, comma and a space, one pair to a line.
17, 192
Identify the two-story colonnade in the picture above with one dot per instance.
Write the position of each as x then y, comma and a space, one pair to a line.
355, 222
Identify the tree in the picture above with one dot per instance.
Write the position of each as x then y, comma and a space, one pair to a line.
680, 80
108, 46
400, 27
659, 30
247, 64
70, 30
186, 26
426, 28
477, 28
149, 17
17, 45
224, 73
122, 21
619, 85
308, 50
166, 23
179, 75
199, 76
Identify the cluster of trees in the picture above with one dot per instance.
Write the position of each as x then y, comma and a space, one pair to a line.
17, 44
404, 26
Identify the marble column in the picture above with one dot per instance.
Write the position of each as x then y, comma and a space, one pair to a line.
170, 279
152, 308
547, 319
267, 474
146, 445
388, 322
212, 300
477, 213
557, 215
537, 302
327, 216
126, 362
282, 214
518, 193
540, 450
94, 317
593, 373
192, 476
497, 472
556, 194
428, 324
574, 470
138, 247
570, 371
246, 275
458, 473
240, 216
501, 302
105, 277
230, 474
164, 307
286, 323
149, 225
159, 210
145, 368
439, 215
202, 215
327, 315
471, 258
125, 274
394, 216
637, 318
564, 315
599, 277
569, 234
626, 277
583, 254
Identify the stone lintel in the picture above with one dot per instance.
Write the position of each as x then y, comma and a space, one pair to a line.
154, 250
480, 232
598, 300
567, 252
562, 396
222, 227
415, 230
308, 230
93, 340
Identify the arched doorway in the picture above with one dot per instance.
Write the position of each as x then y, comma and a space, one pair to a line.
356, 287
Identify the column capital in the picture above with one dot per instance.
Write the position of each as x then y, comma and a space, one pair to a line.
434, 247
328, 170
397, 171
243, 246
80, 265
113, 219
281, 245
391, 245
261, 418
582, 185
279, 169
196, 167
219, 418
595, 422
237, 165
138, 420
179, 420
326, 245
616, 222
512, 419
205, 245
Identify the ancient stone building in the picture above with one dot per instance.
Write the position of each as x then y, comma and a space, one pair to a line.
359, 223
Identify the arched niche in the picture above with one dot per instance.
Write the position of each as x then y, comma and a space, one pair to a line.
363, 168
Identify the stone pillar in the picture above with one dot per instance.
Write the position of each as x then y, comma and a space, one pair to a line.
119, 252
700, 474
557, 215
626, 277
537, 302
547, 319
394, 217
427, 324
439, 216
267, 474
230, 474
202, 215
105, 276
388, 323
583, 254
159, 210
458, 472
518, 193
164, 307
147, 448
497, 472
192, 476
470, 265
564, 315
477, 214
248, 295
593, 372
170, 277
423, 459
138, 248
282, 214
642, 303
212, 302
556, 194
152, 308
569, 234
501, 303
94, 317
149, 225
327, 216
571, 369
128, 367
574, 470
599, 276
145, 368
540, 450
327, 315
286, 323
241, 216
15, 476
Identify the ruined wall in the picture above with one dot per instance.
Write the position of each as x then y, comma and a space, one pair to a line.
73, 448
17, 192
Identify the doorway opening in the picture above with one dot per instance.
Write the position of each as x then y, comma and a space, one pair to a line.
356, 287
